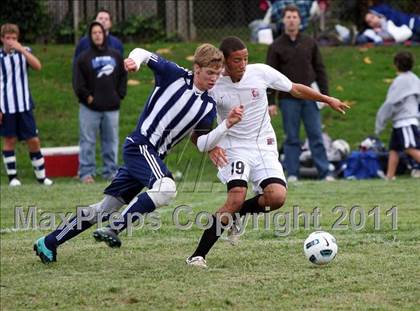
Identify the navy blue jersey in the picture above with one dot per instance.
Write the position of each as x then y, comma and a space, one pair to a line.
174, 108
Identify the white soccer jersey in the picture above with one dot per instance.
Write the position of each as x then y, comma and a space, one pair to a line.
255, 126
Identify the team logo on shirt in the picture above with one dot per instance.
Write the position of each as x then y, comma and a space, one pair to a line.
255, 93
103, 65
270, 141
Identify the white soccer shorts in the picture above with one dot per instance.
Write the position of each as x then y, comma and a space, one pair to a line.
251, 165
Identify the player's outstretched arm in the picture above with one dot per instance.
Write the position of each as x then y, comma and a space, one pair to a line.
136, 57
305, 92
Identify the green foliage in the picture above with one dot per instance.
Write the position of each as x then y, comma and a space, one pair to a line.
134, 29
139, 28
30, 16
64, 32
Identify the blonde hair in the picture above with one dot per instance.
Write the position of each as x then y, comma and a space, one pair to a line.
207, 55
9, 28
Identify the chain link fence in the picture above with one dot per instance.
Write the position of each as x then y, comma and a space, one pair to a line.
197, 20
215, 19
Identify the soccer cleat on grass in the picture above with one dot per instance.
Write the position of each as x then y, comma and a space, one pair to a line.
108, 236
15, 183
329, 178
46, 255
196, 261
47, 182
88, 180
415, 173
292, 179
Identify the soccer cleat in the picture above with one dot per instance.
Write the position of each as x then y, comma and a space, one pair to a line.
196, 261
108, 236
233, 235
46, 255
329, 178
415, 173
292, 179
47, 182
88, 180
15, 182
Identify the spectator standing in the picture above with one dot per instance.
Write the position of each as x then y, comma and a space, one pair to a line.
278, 7
100, 83
16, 105
297, 56
105, 18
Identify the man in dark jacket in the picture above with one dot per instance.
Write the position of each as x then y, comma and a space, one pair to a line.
100, 84
297, 56
105, 18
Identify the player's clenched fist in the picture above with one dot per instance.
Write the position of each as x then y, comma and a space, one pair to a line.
130, 65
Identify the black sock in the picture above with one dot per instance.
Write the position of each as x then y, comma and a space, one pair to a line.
209, 237
251, 206
11, 177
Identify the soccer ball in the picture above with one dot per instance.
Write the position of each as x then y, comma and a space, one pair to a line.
342, 146
320, 247
177, 175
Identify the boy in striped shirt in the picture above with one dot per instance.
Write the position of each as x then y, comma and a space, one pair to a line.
16, 117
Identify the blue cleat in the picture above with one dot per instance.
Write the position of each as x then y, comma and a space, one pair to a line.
46, 255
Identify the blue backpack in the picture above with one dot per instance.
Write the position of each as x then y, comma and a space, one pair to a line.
363, 165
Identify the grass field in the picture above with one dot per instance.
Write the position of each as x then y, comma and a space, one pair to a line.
376, 268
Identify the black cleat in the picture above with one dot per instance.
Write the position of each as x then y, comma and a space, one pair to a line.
108, 236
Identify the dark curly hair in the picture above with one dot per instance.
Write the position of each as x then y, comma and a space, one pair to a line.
231, 44
404, 61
